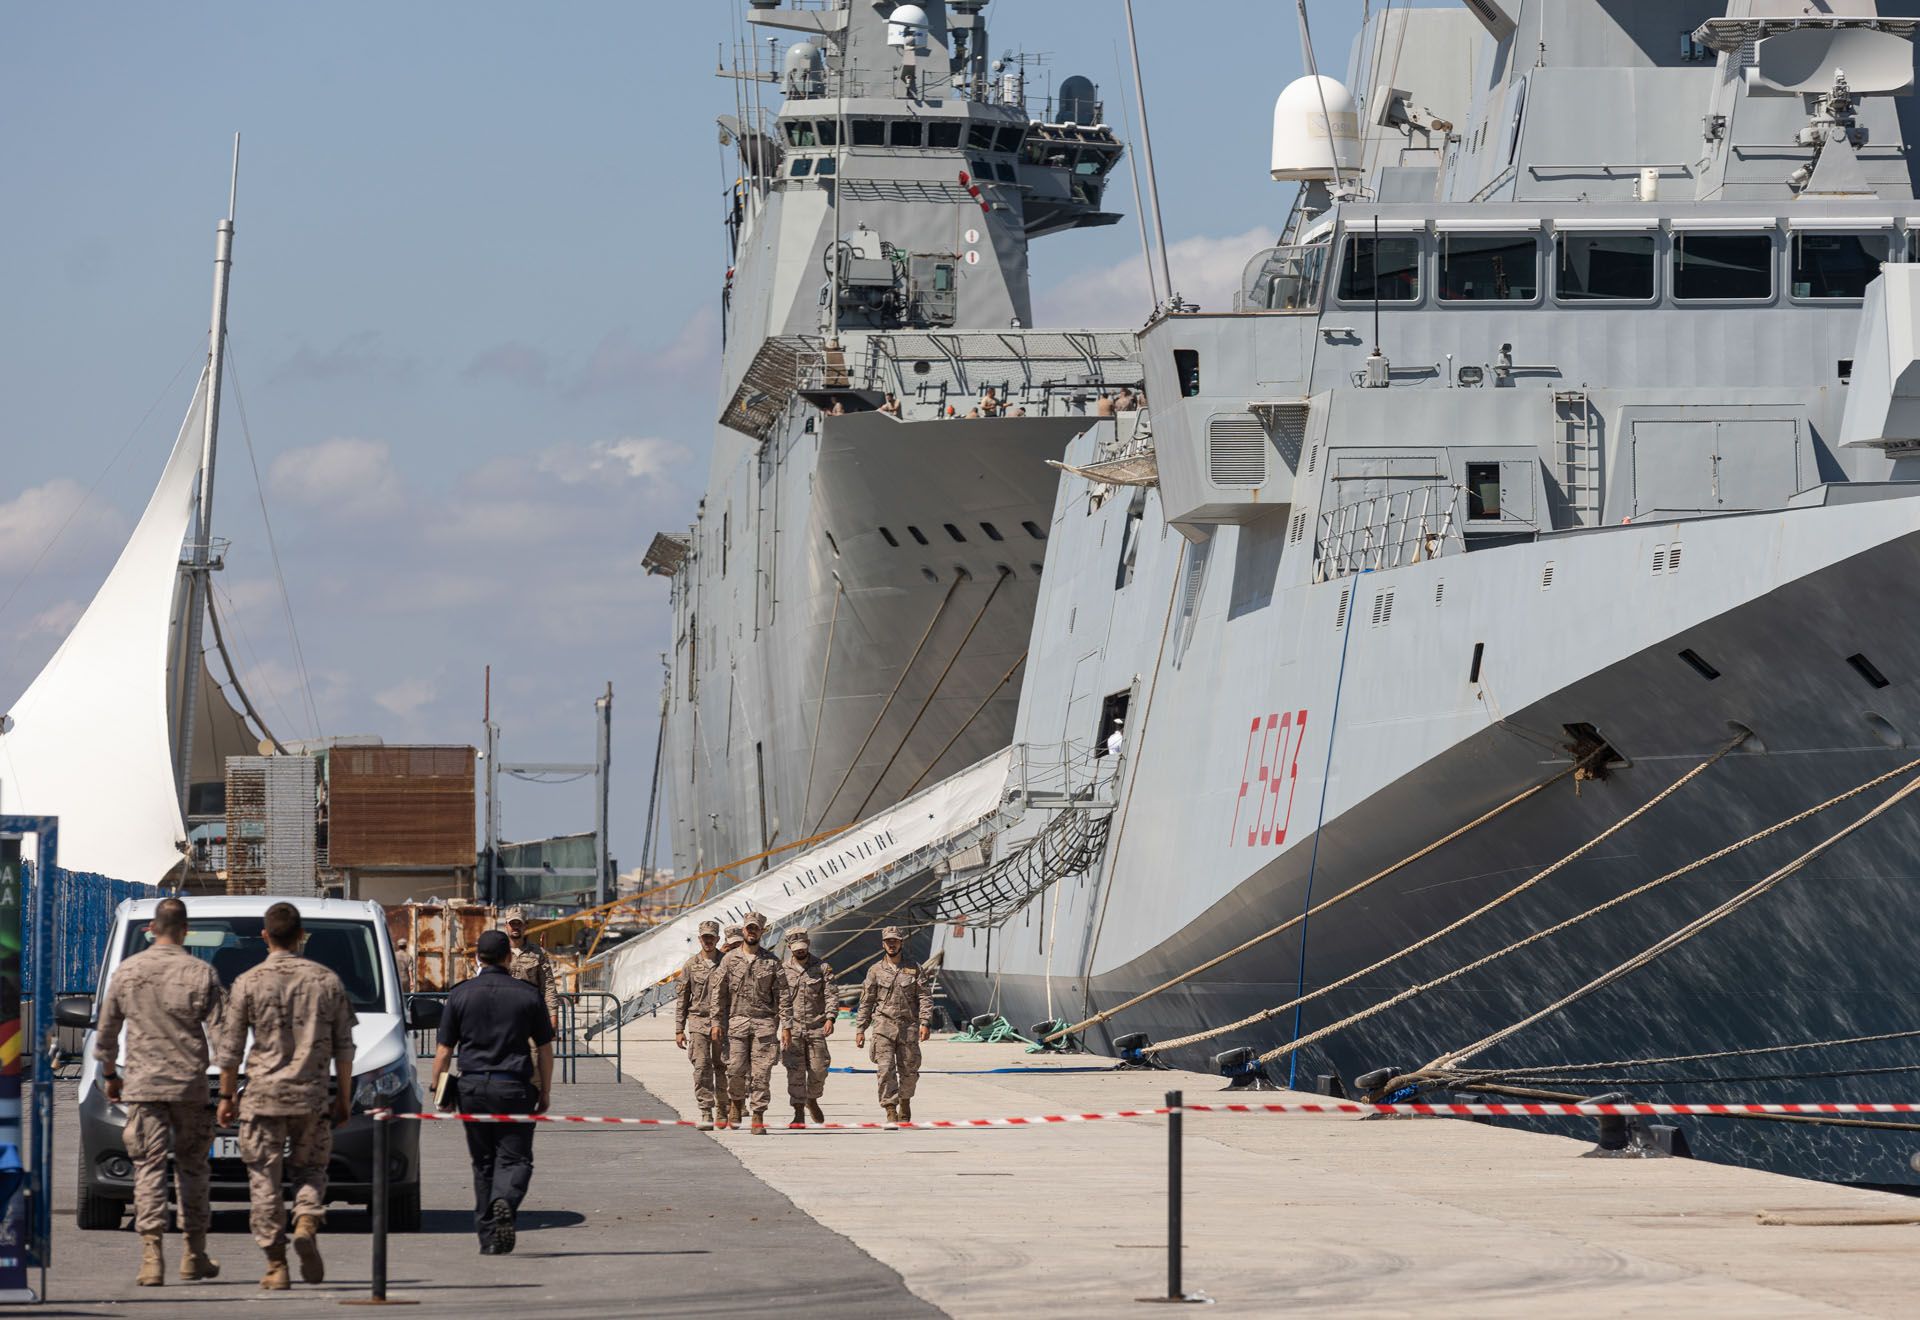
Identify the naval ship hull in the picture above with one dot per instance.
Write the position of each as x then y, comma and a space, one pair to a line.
1816, 958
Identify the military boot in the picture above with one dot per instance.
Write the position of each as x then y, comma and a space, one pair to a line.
196, 1263
759, 1122
799, 1117
275, 1279
706, 1121
306, 1244
739, 1113
906, 1110
153, 1264
813, 1107
893, 1116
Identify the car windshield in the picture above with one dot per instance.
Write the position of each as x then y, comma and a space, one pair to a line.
233, 944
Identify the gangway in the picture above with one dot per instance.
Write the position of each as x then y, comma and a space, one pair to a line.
887, 851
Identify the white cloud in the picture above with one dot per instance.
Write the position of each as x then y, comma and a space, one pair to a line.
32, 520
1206, 270
406, 697
348, 478
639, 458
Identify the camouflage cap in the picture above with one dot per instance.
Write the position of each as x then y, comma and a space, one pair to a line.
754, 919
892, 933
513, 914
798, 937
709, 927
734, 933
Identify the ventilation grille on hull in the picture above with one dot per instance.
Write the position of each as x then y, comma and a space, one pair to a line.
1237, 451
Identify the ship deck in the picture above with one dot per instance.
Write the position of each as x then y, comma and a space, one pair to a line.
1301, 1215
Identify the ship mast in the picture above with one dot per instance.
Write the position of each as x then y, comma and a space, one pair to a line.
200, 562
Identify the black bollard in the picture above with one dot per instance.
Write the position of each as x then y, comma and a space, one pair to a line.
377, 1213
1174, 1291
1173, 1197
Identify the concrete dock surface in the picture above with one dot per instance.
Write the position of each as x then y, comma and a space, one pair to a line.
1316, 1216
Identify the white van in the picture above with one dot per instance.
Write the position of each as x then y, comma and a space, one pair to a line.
226, 932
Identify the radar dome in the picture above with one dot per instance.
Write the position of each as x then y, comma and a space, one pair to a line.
907, 26
1079, 101
1314, 143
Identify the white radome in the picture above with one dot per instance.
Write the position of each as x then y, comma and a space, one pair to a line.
1303, 146
907, 26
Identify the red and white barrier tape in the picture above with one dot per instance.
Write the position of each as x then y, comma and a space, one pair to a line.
1530, 1109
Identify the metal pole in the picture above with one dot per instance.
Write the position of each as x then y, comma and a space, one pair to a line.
1174, 1293
1146, 153
381, 1123
603, 763
492, 819
201, 564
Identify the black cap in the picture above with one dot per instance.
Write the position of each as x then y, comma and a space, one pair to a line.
493, 946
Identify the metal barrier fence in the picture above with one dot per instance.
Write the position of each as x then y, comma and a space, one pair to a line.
84, 904
584, 1016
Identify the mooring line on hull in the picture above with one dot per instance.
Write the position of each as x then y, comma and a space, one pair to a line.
898, 683
938, 683
826, 669
1267, 1014
1675, 939
1413, 992
1833, 1043
966, 724
1291, 922
1708, 1079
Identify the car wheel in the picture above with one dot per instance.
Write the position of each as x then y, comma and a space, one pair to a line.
91, 1209
403, 1210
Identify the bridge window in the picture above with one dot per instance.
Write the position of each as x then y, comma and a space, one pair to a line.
1605, 267
801, 167
829, 132
1835, 266
1386, 267
825, 165
869, 132
943, 133
1009, 138
800, 133
1007, 173
1722, 267
980, 137
906, 133
1489, 268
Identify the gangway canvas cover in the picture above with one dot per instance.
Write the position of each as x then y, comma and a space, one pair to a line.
948, 808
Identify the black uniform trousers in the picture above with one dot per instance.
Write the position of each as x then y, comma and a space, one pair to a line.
502, 1153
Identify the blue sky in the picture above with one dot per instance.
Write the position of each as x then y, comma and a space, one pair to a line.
473, 322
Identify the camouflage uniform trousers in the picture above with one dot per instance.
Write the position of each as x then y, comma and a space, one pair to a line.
898, 1059
709, 1057
302, 1144
752, 1048
153, 1126
806, 1062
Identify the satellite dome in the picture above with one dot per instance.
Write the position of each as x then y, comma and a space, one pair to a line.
1310, 142
907, 26
802, 57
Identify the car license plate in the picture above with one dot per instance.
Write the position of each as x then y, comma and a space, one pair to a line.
226, 1148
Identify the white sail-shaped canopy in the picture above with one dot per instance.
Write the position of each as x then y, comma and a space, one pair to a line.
91, 741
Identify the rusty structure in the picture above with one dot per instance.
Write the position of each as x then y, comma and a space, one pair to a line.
441, 937
400, 821
272, 829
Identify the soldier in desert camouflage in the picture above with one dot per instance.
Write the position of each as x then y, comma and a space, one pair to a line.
897, 1002
812, 1003
696, 1014
752, 1004
169, 1002
302, 1025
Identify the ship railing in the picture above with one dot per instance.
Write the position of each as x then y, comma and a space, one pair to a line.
1288, 279
1387, 531
1064, 774
1047, 372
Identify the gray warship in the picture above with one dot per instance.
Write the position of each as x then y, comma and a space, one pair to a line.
852, 604
1541, 526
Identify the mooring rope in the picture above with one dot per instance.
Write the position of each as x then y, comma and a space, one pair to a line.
826, 671
1678, 937
1267, 1014
1834, 1043
1413, 992
1287, 925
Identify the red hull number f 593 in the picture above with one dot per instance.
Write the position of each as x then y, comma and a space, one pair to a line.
1269, 772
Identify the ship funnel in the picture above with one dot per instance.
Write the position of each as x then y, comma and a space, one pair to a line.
1316, 130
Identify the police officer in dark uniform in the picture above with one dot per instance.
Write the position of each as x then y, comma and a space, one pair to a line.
489, 1020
